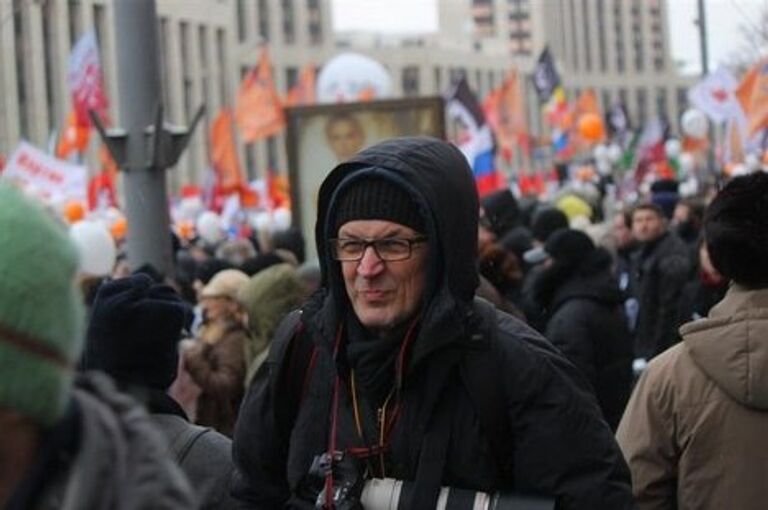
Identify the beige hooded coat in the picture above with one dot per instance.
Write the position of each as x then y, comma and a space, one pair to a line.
695, 432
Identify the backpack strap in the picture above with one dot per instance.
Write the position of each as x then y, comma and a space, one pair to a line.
294, 372
184, 441
480, 373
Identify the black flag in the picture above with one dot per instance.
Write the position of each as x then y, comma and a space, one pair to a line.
545, 76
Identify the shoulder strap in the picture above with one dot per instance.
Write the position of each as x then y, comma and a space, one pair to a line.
479, 371
183, 442
293, 374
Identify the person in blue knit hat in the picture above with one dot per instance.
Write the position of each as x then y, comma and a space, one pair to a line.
65, 443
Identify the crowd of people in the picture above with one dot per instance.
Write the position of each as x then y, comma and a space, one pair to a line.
442, 349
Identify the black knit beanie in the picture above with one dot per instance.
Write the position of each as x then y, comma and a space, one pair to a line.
377, 199
134, 330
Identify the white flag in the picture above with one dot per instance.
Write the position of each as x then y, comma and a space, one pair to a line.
715, 95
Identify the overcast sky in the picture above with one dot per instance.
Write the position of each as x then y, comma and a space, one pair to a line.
725, 20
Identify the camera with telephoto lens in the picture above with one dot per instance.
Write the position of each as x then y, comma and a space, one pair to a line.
347, 482
387, 493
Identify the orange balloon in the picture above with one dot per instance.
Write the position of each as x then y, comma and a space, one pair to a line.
185, 229
74, 211
119, 228
591, 127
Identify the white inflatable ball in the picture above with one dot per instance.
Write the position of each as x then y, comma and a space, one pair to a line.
96, 246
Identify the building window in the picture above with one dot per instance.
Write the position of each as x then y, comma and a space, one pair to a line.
221, 53
438, 80
21, 60
315, 26
642, 106
291, 77
289, 27
455, 74
205, 71
264, 20
410, 81
618, 32
682, 101
601, 36
606, 98
49, 16
272, 153
242, 29
661, 102
75, 20
587, 35
574, 35
637, 36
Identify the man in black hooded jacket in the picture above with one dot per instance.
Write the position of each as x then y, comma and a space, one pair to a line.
390, 338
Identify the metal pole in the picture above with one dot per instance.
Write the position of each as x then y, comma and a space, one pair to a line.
704, 46
138, 74
702, 22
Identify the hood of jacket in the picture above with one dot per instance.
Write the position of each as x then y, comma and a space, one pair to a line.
731, 345
122, 461
437, 177
600, 287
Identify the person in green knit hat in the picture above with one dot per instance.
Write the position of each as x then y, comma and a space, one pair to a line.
65, 443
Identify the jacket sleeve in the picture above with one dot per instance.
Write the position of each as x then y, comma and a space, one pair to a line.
562, 445
259, 447
673, 273
646, 437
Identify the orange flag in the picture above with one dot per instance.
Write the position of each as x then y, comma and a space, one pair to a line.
303, 93
752, 93
74, 137
259, 112
226, 166
506, 114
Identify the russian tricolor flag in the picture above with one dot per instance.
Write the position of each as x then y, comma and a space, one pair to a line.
475, 139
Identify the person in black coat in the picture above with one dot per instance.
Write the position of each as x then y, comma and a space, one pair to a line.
585, 318
393, 346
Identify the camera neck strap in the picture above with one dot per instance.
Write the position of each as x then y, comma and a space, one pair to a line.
386, 417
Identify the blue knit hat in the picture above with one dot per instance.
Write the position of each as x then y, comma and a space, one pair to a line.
41, 310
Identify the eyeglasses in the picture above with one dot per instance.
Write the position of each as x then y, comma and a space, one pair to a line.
389, 249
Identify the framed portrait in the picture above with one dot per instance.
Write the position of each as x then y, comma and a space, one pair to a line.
321, 136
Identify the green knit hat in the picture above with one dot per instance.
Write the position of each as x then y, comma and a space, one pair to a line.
41, 310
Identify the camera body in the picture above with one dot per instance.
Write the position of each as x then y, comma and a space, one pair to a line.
347, 486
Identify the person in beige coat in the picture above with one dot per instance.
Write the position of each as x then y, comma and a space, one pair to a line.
694, 431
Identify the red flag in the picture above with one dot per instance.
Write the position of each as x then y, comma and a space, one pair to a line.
259, 112
505, 113
303, 93
74, 137
752, 93
226, 165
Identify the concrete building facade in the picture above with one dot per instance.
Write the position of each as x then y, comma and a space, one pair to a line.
620, 48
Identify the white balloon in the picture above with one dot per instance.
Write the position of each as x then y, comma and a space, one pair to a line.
739, 170
96, 247
209, 227
345, 77
281, 219
694, 123
752, 162
614, 153
262, 221
687, 163
600, 153
189, 208
672, 147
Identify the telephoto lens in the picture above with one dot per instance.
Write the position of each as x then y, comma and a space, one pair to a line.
385, 494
